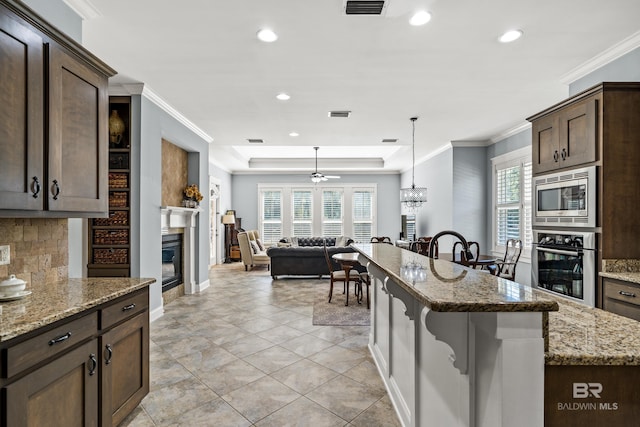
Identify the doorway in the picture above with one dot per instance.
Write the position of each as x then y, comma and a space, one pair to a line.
214, 196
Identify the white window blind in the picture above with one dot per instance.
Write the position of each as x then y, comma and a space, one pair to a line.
512, 201
271, 204
362, 216
332, 213
302, 213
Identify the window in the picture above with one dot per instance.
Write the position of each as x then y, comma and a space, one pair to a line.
362, 215
302, 215
271, 218
512, 198
331, 213
330, 210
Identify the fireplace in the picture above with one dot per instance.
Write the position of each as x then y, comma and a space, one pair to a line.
171, 261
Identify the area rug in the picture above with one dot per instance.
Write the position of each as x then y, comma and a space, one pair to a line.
336, 313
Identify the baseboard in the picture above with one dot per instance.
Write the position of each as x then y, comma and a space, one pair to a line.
202, 286
156, 314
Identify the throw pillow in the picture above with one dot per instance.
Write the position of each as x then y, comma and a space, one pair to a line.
294, 241
284, 245
254, 246
260, 244
340, 241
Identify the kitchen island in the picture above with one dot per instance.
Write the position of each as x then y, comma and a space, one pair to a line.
459, 347
74, 352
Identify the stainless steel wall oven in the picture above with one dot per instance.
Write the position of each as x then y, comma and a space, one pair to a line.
564, 263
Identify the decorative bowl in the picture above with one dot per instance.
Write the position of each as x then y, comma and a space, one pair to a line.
12, 285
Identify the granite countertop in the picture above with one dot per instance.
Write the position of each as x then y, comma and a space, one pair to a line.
582, 335
627, 276
449, 287
51, 302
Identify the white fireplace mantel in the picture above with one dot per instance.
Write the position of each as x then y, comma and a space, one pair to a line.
183, 218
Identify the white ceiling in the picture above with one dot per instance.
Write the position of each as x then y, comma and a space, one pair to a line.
202, 57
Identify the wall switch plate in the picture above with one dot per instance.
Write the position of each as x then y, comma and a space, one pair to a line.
5, 255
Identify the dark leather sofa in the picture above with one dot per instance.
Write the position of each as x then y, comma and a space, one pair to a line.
305, 256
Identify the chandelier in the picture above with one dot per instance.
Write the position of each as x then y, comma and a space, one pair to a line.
413, 197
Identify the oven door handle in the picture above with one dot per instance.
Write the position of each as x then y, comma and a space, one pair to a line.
558, 251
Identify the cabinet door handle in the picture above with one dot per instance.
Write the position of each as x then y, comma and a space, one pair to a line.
109, 355
627, 294
56, 189
564, 154
93, 364
128, 307
60, 339
555, 156
36, 187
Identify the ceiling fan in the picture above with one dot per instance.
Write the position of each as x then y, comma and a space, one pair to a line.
317, 176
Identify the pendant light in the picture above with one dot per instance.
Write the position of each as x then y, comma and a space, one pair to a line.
412, 198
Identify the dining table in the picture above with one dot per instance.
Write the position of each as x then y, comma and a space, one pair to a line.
481, 261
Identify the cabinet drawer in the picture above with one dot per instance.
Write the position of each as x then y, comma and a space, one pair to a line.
47, 344
123, 309
628, 293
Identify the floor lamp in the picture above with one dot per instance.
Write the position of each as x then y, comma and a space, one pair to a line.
228, 220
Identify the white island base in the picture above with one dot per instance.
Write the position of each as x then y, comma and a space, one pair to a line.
464, 368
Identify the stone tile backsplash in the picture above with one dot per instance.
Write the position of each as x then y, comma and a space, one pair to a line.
39, 249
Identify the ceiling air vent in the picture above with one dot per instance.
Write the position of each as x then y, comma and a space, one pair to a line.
344, 114
354, 7
389, 140
255, 141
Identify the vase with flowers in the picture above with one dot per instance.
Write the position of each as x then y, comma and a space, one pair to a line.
191, 196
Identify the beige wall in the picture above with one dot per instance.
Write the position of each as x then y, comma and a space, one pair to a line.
174, 173
39, 249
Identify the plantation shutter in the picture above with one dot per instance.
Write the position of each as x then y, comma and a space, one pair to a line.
362, 215
332, 213
302, 217
271, 216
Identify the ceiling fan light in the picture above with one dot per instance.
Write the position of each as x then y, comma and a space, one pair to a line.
316, 179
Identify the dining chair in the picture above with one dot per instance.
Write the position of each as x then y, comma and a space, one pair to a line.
340, 275
507, 266
383, 239
421, 246
474, 250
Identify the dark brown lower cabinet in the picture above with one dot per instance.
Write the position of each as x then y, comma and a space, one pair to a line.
61, 393
89, 370
125, 370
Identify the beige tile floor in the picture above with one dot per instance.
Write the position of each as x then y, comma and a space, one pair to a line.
245, 353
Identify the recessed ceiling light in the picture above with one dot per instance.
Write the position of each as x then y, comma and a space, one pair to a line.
266, 35
283, 96
294, 134
420, 18
510, 36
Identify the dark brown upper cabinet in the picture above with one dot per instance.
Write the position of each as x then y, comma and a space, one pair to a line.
53, 121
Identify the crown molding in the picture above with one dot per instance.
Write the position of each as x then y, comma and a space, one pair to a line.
614, 52
84, 8
128, 89
510, 132
466, 144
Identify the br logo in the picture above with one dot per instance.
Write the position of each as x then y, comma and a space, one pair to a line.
584, 390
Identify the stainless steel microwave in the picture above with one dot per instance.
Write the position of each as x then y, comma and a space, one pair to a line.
565, 199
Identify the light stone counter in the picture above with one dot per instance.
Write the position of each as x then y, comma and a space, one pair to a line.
450, 287
51, 302
627, 276
582, 335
